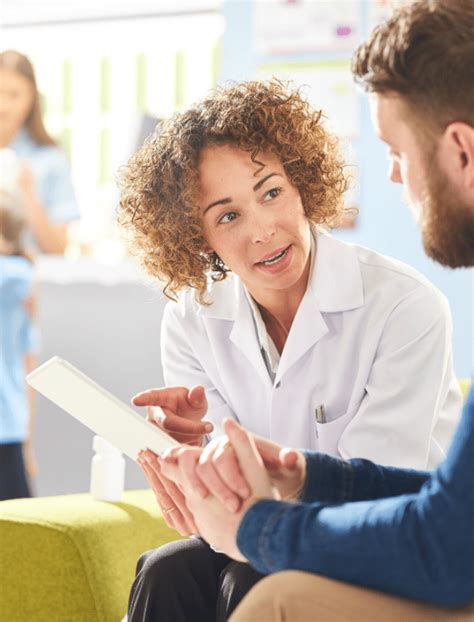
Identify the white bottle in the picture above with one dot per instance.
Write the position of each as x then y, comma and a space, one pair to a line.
107, 471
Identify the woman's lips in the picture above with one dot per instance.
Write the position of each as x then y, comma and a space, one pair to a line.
273, 255
280, 260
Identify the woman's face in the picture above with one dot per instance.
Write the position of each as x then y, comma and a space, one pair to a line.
254, 220
16, 99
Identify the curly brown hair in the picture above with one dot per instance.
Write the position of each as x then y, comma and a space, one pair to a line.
160, 185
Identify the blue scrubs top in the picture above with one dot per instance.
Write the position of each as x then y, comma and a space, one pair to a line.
51, 171
17, 338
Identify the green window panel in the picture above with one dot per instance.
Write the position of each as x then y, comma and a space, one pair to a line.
44, 104
105, 85
216, 56
104, 156
67, 87
179, 80
141, 85
65, 140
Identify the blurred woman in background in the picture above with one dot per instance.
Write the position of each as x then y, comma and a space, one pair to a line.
43, 177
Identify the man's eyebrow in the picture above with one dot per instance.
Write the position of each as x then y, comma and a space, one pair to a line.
227, 200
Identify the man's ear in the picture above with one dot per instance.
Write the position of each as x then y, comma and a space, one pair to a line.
457, 153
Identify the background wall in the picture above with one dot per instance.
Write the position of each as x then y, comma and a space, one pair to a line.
106, 321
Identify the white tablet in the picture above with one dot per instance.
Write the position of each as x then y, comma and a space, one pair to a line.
98, 409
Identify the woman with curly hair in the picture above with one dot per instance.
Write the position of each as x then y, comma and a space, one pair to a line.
302, 338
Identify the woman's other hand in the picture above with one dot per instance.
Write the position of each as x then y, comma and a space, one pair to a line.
180, 413
169, 497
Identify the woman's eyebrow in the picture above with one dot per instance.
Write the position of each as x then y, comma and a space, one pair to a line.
218, 202
227, 200
260, 183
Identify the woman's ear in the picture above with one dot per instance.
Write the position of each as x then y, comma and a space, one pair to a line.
207, 253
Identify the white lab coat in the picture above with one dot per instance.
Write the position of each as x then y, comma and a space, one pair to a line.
371, 341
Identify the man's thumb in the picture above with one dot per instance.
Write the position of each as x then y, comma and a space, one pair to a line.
289, 458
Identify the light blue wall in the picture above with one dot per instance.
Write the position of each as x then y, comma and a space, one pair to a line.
385, 222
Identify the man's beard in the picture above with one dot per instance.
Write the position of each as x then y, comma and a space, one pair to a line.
447, 222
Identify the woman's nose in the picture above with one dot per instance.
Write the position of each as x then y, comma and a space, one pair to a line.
263, 229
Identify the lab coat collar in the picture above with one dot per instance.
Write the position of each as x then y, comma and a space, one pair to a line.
336, 280
230, 302
225, 299
335, 285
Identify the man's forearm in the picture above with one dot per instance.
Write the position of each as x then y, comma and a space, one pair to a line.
389, 545
334, 481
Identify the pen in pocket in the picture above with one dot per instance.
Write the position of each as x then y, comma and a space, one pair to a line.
320, 414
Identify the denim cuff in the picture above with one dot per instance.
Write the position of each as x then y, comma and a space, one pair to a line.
257, 533
328, 479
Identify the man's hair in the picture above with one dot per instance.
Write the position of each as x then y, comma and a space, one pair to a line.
160, 186
425, 53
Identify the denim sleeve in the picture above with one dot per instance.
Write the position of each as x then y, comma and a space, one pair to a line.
418, 545
334, 481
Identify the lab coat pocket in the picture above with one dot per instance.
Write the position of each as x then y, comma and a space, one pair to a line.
330, 433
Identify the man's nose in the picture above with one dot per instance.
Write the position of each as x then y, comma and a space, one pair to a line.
394, 172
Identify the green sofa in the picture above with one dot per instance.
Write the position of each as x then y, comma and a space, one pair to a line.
73, 558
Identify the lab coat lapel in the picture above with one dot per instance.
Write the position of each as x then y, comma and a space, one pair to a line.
244, 336
307, 329
229, 302
335, 285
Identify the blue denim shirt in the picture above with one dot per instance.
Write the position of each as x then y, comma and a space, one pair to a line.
407, 532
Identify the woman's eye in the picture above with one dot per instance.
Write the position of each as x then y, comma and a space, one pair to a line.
272, 194
228, 217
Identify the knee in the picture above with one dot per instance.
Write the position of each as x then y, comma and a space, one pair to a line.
160, 565
239, 578
268, 599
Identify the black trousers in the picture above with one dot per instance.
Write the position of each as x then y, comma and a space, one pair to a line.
186, 581
13, 482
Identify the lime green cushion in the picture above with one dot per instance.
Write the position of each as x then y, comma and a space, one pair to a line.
73, 558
